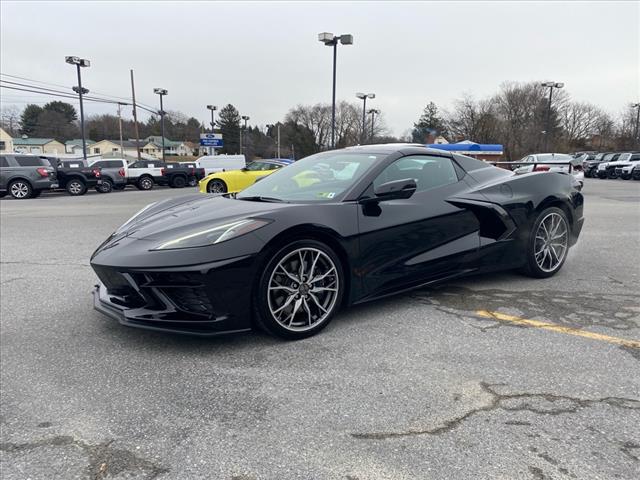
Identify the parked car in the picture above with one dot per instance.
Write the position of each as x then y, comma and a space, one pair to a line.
144, 174
615, 169
74, 176
114, 176
237, 180
590, 167
601, 172
285, 256
626, 171
551, 162
25, 176
179, 175
635, 173
221, 163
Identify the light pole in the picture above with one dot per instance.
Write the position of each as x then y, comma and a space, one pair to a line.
551, 86
277, 125
363, 97
332, 41
373, 113
80, 62
162, 92
636, 131
245, 118
213, 109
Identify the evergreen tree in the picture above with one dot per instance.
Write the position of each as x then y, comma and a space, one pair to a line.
29, 119
65, 109
429, 123
229, 123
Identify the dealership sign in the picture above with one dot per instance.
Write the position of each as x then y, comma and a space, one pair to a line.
211, 140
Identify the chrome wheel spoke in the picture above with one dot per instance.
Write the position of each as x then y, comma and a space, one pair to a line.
303, 289
551, 242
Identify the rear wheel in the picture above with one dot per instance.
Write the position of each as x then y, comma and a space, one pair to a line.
76, 187
216, 186
193, 181
105, 187
299, 291
548, 243
625, 176
179, 182
20, 189
611, 173
145, 183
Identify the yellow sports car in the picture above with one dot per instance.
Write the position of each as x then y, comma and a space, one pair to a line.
236, 180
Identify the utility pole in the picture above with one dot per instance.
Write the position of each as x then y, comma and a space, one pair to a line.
135, 117
636, 138
120, 127
278, 127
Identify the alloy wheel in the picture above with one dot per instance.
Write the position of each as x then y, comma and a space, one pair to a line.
303, 289
551, 242
216, 187
19, 190
75, 188
146, 184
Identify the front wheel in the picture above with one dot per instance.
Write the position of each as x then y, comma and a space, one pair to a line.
216, 186
300, 290
20, 189
179, 182
548, 243
76, 187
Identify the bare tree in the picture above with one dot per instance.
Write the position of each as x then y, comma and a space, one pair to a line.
10, 120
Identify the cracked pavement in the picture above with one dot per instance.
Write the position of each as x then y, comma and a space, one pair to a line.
413, 387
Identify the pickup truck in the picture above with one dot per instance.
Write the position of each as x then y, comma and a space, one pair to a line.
179, 175
75, 176
144, 174
114, 174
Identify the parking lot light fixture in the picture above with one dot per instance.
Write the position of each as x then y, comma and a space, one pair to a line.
80, 62
330, 40
162, 92
213, 109
363, 97
636, 131
373, 113
547, 131
245, 118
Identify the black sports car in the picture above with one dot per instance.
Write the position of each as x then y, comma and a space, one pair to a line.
334, 229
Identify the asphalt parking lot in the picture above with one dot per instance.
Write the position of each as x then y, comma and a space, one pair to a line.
499, 376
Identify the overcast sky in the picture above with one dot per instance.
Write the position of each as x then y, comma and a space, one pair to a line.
265, 57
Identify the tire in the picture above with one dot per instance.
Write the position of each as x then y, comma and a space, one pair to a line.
611, 174
216, 186
625, 176
635, 174
76, 187
193, 181
145, 183
297, 310
20, 189
545, 261
602, 174
179, 182
105, 187
120, 187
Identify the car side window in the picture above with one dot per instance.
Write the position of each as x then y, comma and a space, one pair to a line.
99, 164
254, 167
3, 161
25, 161
138, 165
428, 172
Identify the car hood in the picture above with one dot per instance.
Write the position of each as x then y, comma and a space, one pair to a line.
178, 215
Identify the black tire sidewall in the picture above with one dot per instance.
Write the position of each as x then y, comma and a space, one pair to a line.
179, 182
532, 267
260, 303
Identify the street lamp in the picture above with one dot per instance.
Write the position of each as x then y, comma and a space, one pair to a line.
636, 137
80, 62
332, 41
277, 125
245, 118
550, 86
213, 109
363, 97
373, 113
162, 92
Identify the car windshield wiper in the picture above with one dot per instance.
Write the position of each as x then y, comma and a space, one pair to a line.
259, 198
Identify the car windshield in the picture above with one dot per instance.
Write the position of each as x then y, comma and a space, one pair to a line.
624, 157
323, 177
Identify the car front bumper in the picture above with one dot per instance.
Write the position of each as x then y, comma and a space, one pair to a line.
202, 300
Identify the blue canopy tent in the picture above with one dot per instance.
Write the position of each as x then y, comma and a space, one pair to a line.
470, 148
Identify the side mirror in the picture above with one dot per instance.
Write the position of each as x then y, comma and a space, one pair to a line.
394, 190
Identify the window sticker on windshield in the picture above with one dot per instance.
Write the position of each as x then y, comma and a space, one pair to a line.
326, 194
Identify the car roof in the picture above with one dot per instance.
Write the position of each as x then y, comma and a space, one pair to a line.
404, 148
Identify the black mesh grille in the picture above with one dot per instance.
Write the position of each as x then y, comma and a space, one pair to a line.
190, 299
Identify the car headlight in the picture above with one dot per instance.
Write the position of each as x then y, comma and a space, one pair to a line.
136, 215
216, 234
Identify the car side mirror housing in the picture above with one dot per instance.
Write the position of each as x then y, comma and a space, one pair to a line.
394, 190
